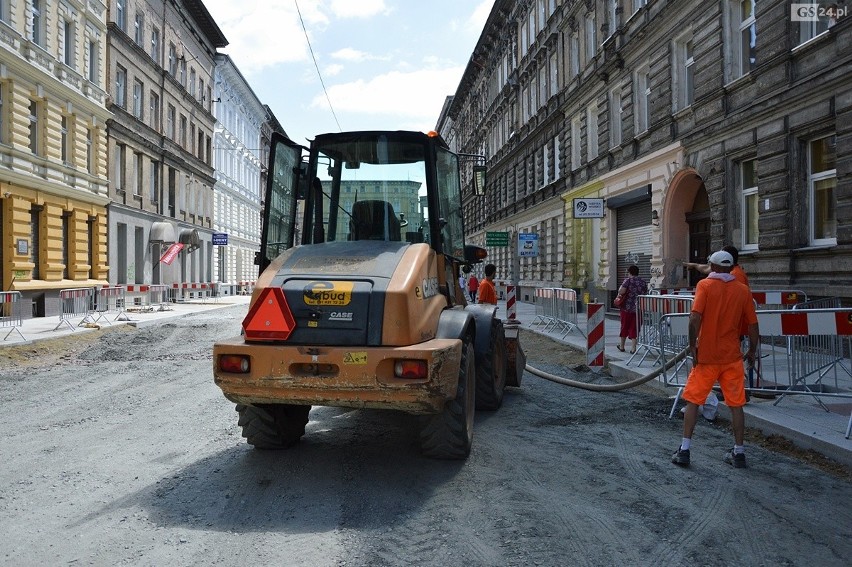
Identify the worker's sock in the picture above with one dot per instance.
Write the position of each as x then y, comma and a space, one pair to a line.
684, 444
739, 449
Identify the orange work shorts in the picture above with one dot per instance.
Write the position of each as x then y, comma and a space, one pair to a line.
730, 376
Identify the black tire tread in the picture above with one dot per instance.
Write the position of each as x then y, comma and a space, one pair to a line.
273, 426
490, 388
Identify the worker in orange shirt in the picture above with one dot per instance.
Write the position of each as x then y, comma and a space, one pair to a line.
487, 293
737, 271
720, 304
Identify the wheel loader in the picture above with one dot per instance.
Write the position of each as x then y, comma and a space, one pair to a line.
357, 303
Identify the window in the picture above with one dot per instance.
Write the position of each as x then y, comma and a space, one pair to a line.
155, 181
554, 75
35, 119
66, 140
121, 15
683, 93
182, 69
170, 122
183, 131
137, 174
810, 29
139, 29
574, 53
68, 43
35, 238
155, 45
615, 118
822, 181
67, 237
118, 174
154, 110
121, 86
642, 92
637, 5
138, 90
748, 189
590, 37
192, 81
172, 59
576, 154
37, 22
556, 161
90, 151
201, 90
592, 131
742, 37
93, 61
612, 16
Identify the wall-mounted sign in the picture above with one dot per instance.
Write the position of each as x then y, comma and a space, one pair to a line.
220, 239
496, 238
23, 246
588, 208
527, 245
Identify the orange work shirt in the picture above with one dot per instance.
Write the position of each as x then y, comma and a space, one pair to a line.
487, 293
740, 275
723, 306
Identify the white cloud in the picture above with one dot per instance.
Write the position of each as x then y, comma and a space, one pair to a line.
480, 15
414, 96
263, 34
333, 69
349, 54
357, 8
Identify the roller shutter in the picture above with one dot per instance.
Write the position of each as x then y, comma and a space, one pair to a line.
633, 235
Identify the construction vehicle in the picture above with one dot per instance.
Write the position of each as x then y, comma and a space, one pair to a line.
358, 302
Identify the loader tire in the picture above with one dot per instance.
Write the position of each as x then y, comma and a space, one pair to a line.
449, 434
491, 371
273, 426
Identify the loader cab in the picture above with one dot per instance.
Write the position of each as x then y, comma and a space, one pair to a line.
358, 187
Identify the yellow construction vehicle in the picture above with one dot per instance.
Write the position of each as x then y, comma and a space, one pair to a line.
358, 302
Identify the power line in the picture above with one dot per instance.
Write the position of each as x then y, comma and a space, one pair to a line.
311, 49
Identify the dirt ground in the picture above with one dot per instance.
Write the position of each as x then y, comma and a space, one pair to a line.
119, 450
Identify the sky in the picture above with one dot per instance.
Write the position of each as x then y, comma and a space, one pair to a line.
386, 64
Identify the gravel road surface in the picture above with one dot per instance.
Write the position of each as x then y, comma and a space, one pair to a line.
118, 449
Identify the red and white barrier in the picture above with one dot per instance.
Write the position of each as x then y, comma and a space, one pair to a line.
801, 323
511, 308
596, 336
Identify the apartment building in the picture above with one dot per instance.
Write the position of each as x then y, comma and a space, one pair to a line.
239, 156
53, 150
652, 132
161, 67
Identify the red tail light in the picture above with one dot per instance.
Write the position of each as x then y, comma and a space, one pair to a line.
410, 369
234, 363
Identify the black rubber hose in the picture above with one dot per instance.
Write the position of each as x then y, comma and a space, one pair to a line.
606, 387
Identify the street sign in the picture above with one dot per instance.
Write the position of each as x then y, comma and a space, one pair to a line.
496, 238
220, 239
527, 245
588, 208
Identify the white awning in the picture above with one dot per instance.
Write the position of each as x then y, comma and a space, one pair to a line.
162, 233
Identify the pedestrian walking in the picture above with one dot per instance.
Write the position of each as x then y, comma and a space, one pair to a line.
626, 301
472, 287
720, 304
487, 292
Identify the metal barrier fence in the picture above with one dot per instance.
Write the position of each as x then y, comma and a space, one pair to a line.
79, 302
11, 312
650, 309
109, 300
556, 309
672, 291
158, 297
188, 291
778, 299
798, 349
246, 287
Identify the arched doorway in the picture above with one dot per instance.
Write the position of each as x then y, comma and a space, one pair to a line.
686, 227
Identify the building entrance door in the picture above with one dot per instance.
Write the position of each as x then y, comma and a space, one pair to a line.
699, 242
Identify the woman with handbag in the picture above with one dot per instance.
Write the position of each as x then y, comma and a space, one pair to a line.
626, 301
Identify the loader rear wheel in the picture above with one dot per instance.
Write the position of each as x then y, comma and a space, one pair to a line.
491, 370
449, 434
273, 426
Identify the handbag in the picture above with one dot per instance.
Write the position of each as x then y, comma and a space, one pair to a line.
618, 300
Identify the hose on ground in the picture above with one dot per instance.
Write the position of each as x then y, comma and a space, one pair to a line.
607, 387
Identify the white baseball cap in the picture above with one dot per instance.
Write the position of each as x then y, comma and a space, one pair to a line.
721, 258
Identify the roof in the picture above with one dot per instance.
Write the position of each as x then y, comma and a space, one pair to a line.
206, 24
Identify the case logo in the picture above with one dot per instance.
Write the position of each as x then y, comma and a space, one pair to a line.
328, 293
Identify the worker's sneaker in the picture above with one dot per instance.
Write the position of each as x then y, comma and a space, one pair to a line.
736, 460
681, 457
